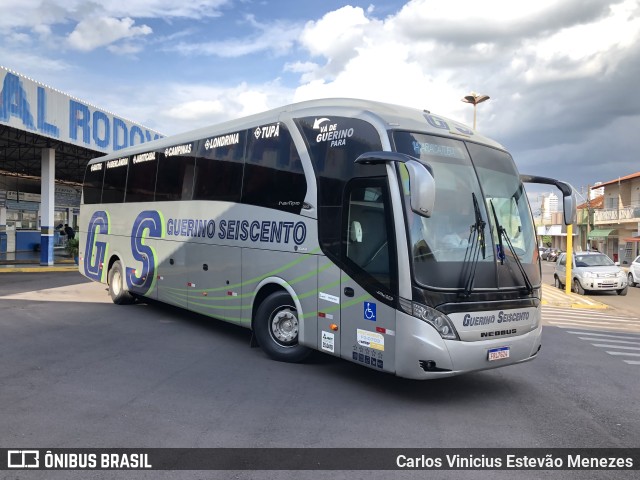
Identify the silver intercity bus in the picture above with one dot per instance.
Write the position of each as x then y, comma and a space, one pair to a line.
384, 235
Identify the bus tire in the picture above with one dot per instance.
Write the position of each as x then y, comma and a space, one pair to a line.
276, 328
119, 295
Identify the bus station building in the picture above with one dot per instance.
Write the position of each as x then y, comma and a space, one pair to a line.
47, 138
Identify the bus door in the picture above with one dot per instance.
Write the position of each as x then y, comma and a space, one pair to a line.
368, 280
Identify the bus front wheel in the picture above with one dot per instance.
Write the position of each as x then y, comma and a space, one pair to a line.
119, 295
276, 328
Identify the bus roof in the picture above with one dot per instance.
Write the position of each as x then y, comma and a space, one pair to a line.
391, 116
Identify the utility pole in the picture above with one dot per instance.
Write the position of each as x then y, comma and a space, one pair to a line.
588, 216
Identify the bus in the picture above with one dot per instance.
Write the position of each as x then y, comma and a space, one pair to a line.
384, 235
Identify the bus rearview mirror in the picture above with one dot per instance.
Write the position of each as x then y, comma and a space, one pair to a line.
422, 187
569, 201
421, 182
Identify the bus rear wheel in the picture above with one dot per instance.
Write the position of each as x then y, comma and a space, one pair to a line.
276, 328
119, 295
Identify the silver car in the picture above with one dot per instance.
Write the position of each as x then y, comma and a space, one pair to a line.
633, 277
591, 271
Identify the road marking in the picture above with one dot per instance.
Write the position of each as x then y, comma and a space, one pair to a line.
570, 318
625, 345
621, 347
615, 328
595, 322
581, 313
599, 334
608, 340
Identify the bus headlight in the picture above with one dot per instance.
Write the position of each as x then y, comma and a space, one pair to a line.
438, 320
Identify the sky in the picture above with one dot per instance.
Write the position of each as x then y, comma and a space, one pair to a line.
562, 74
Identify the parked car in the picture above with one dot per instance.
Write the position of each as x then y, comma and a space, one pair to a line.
545, 254
591, 271
633, 277
553, 255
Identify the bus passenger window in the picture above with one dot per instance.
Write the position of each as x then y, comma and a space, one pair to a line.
273, 174
175, 175
219, 168
115, 179
142, 178
92, 186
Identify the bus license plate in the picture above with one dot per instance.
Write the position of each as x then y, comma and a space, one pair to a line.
498, 353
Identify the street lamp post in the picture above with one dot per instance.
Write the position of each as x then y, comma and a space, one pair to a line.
474, 99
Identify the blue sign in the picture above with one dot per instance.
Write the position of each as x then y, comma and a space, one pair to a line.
369, 311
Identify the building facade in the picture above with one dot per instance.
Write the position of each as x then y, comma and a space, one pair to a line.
617, 224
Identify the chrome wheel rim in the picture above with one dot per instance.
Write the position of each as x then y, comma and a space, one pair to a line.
116, 283
284, 326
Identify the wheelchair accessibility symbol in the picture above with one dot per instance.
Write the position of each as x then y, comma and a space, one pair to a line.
370, 311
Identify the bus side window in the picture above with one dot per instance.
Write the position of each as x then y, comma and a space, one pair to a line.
273, 174
115, 179
141, 183
219, 169
92, 186
175, 176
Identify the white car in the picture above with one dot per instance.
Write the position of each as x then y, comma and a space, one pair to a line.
591, 271
633, 277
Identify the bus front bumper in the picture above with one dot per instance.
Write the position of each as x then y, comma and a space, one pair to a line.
425, 355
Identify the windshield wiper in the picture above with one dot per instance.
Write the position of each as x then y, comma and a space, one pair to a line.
475, 244
503, 233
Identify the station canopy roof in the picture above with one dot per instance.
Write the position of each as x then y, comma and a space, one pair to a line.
34, 116
20, 154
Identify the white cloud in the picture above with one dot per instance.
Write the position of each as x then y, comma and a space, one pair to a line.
431, 54
559, 73
277, 37
196, 110
29, 13
99, 31
194, 106
97, 24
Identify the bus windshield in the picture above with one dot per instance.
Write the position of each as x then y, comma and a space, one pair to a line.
443, 244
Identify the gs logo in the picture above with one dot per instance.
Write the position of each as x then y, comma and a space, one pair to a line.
148, 224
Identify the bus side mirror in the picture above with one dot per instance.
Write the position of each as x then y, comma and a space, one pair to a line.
569, 205
422, 185
569, 201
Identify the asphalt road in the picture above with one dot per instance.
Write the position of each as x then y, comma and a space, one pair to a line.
78, 371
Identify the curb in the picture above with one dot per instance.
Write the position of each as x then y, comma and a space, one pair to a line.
559, 298
68, 268
585, 306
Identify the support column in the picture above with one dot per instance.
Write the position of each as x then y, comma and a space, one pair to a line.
3, 230
47, 195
